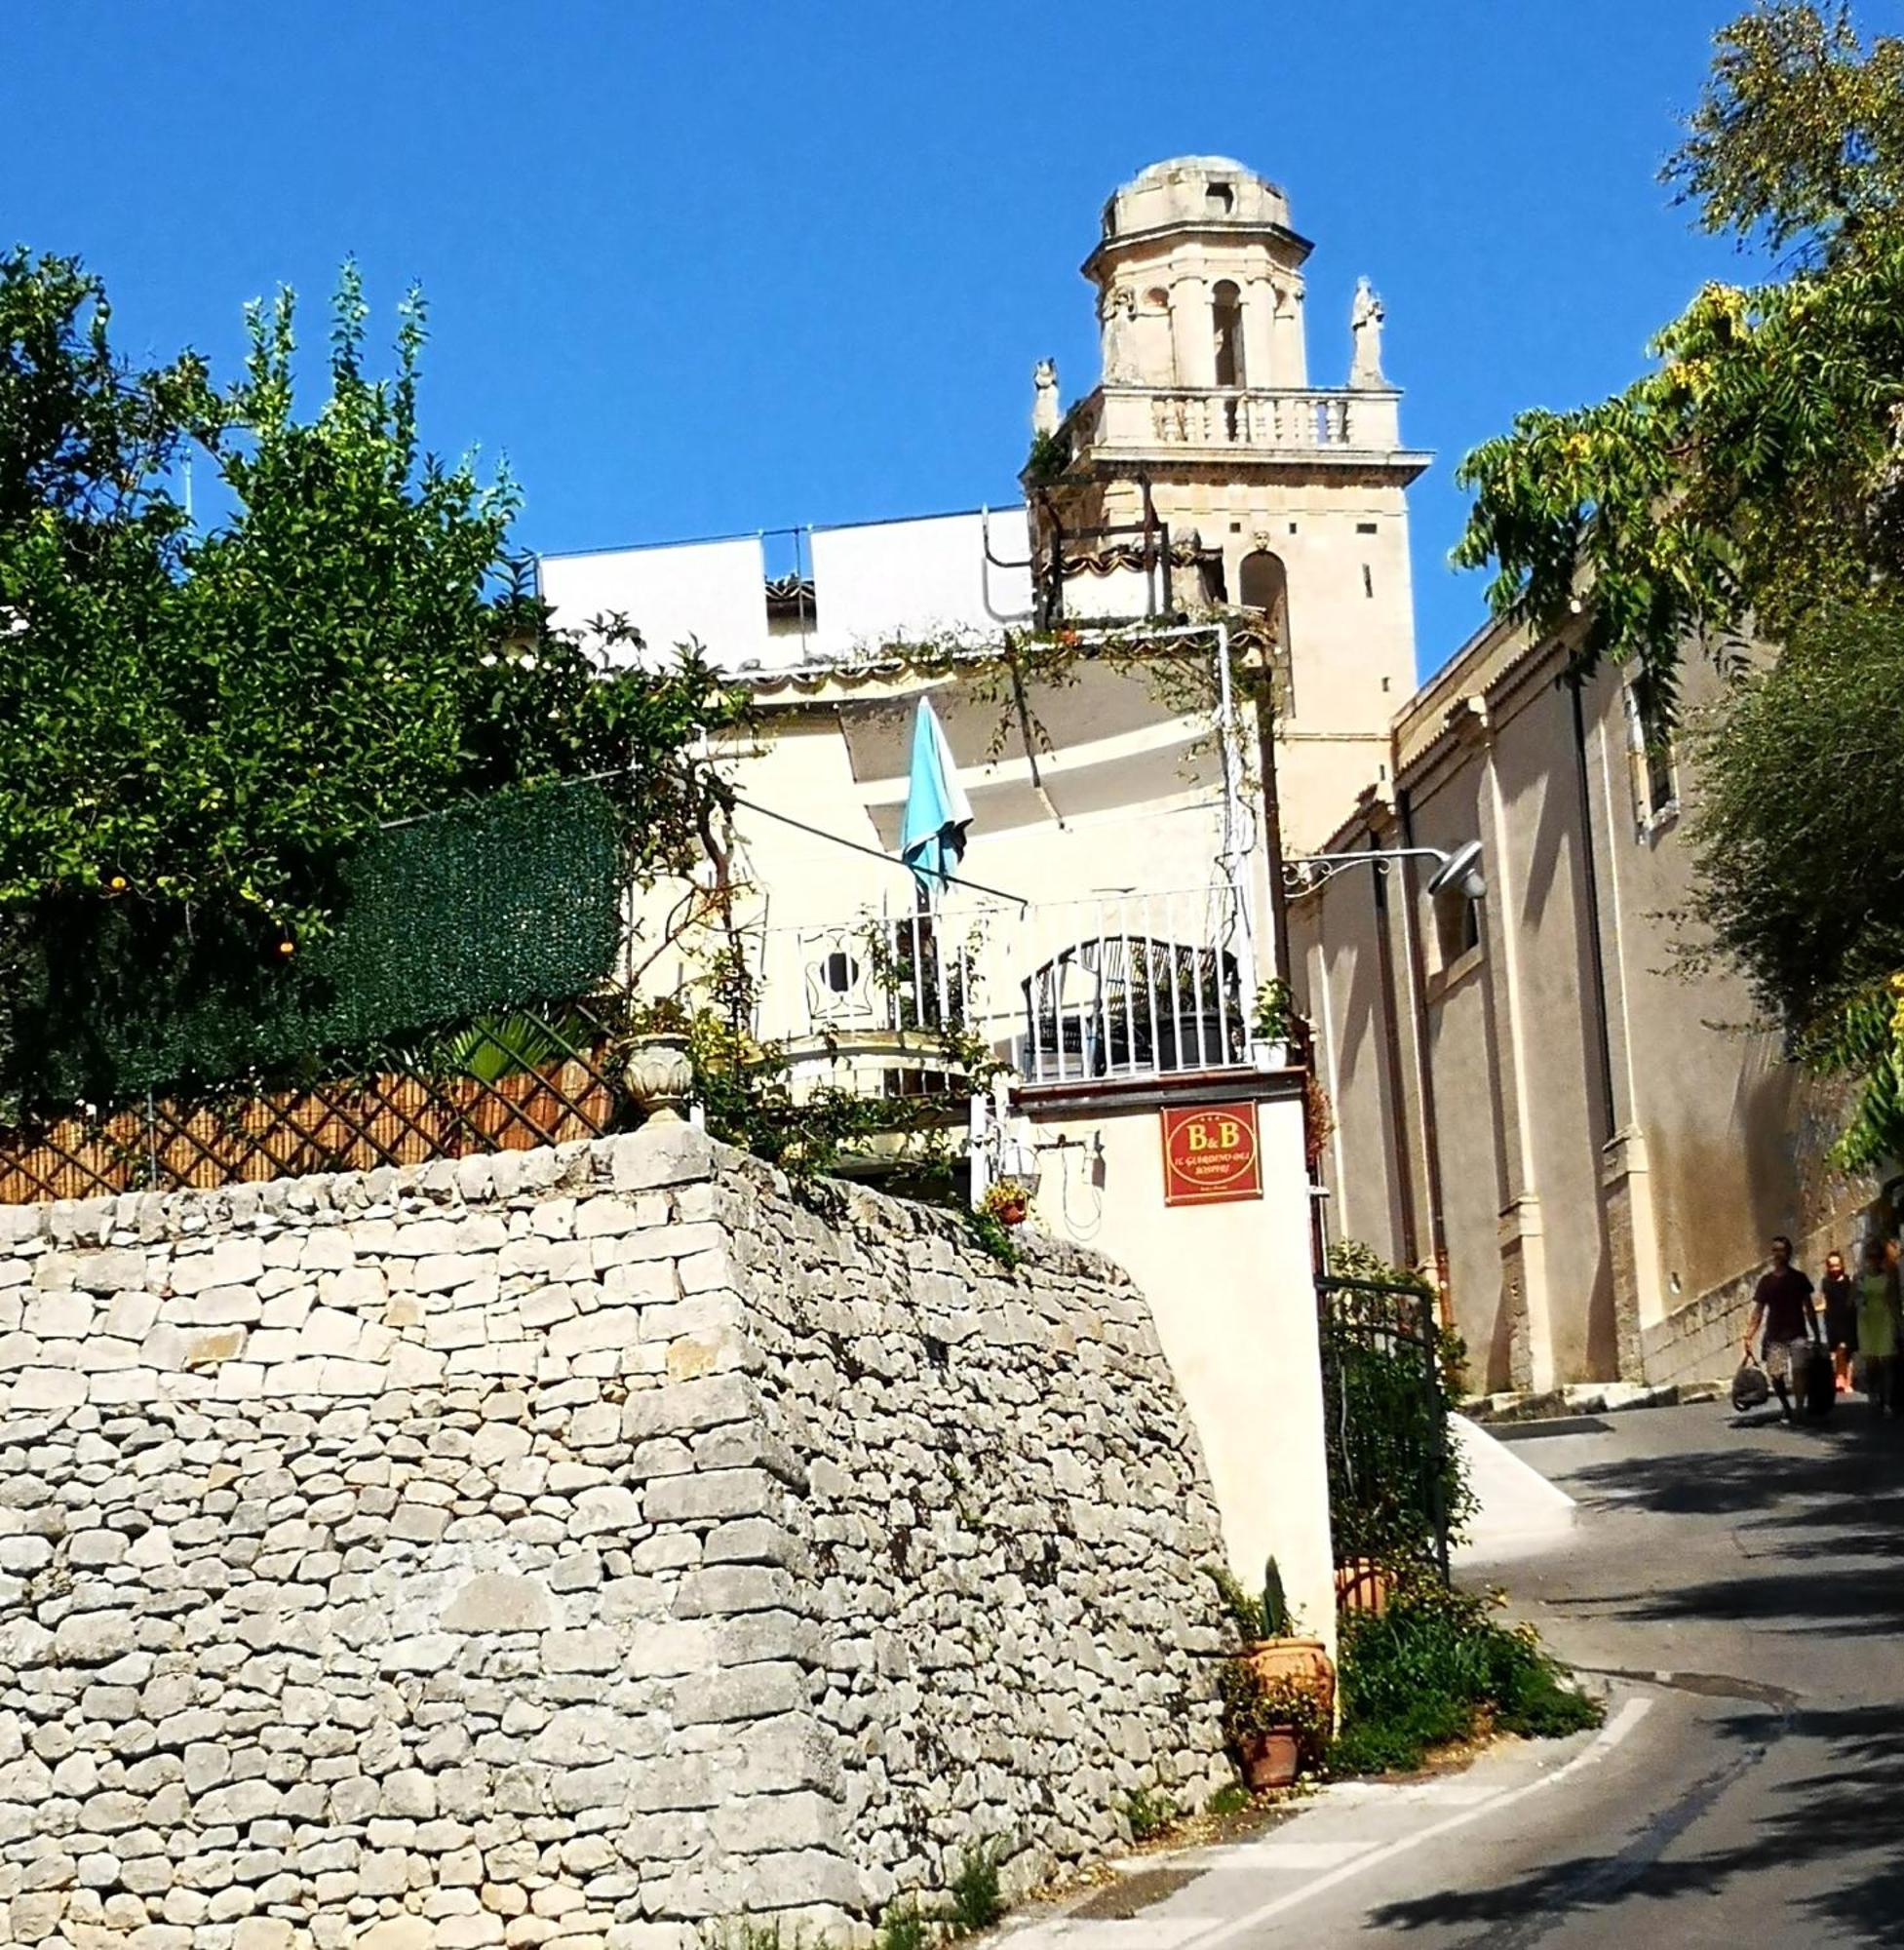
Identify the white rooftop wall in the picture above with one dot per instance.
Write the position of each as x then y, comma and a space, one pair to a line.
873, 584
710, 591
890, 580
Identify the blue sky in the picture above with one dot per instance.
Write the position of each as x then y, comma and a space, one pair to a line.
708, 268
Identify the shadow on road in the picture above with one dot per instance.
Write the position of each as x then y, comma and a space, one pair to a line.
1841, 1815
1816, 1804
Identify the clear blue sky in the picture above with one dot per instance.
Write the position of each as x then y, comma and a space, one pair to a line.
702, 268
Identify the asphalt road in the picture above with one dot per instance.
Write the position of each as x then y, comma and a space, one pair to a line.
1739, 1590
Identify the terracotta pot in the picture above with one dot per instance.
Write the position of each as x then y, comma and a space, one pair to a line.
1270, 1760
1012, 1213
1303, 1660
1361, 1585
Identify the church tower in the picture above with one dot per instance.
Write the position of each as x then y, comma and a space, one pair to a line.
1204, 471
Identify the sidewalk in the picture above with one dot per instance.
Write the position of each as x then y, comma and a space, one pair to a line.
1235, 1894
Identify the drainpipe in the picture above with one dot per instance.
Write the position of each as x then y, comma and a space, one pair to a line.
1272, 823
1392, 1055
1423, 1062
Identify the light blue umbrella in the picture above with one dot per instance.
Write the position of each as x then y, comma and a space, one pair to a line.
932, 840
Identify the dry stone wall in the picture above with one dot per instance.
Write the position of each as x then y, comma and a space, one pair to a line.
585, 1548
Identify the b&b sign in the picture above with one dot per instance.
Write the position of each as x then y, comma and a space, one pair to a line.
1210, 1154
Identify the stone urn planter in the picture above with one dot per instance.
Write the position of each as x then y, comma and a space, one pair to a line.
659, 1076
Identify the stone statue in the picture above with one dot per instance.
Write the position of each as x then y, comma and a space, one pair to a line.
1365, 330
1119, 330
1045, 416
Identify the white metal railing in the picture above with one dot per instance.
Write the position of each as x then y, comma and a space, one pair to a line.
1133, 985
1116, 986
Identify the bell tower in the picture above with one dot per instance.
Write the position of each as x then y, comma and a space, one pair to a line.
1205, 473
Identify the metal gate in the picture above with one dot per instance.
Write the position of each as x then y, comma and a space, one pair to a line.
1391, 1478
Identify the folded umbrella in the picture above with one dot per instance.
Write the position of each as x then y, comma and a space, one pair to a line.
932, 839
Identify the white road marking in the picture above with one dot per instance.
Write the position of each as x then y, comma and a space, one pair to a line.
1278, 1855
1604, 1741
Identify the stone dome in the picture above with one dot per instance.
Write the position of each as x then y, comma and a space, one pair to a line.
1195, 190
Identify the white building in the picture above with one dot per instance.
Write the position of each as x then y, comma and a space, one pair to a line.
1117, 921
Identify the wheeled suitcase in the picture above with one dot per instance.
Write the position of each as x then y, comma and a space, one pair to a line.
1820, 1382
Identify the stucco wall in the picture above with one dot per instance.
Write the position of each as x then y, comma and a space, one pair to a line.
597, 1538
1587, 1218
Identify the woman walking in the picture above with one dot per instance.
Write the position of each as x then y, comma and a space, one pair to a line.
1841, 1318
1878, 1326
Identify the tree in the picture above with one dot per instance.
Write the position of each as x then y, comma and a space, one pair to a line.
194, 727
1751, 480
1754, 482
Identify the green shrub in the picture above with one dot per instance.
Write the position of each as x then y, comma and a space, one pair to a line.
1148, 1813
1429, 1668
903, 1929
975, 1898
1229, 1799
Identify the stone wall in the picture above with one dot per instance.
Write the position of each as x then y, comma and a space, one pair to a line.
581, 1548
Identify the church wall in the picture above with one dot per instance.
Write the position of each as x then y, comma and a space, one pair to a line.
1586, 1236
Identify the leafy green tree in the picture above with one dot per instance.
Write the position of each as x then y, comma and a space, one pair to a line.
1753, 485
1751, 480
194, 727
1799, 846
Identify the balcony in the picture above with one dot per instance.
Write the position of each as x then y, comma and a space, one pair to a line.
1329, 422
1119, 987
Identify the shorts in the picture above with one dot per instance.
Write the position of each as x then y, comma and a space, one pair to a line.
1787, 1360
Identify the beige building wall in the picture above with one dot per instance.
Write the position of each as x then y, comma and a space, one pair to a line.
1596, 1145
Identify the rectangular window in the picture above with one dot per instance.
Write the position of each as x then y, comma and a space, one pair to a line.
1654, 764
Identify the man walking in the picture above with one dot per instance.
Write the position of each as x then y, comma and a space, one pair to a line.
1781, 1306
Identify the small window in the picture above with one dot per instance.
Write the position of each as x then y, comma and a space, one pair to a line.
1654, 762
1458, 925
1364, 528
1218, 199
1367, 580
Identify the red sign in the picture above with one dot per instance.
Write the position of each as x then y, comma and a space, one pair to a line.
1210, 1154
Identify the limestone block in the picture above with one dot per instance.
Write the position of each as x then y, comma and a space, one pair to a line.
593, 1649
658, 1154
111, 1271
59, 1317
712, 1494
500, 1601
605, 1509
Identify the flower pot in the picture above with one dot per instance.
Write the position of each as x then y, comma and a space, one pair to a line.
1361, 1585
1269, 1760
1269, 1055
1012, 1212
659, 1078
1304, 1660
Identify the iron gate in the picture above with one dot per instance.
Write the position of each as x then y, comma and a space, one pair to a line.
1392, 1482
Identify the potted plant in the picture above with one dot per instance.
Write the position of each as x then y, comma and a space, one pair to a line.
1270, 1024
659, 1072
1008, 1201
1276, 1728
1277, 1684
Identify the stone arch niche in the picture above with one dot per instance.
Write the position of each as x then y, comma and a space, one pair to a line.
1226, 330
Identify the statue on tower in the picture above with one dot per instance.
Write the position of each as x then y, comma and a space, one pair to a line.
1365, 330
1119, 318
1045, 416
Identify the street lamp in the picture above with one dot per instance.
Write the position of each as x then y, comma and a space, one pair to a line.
1459, 868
